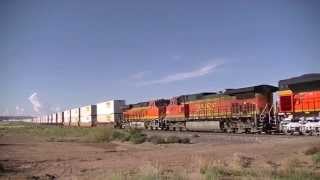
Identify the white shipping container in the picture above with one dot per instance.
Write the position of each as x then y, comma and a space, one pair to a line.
75, 117
75, 112
90, 110
108, 118
54, 118
60, 117
110, 107
43, 119
67, 117
88, 120
50, 118
47, 119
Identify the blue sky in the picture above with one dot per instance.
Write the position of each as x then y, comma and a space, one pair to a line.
63, 54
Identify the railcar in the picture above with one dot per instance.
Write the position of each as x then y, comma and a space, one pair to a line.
299, 102
145, 115
235, 110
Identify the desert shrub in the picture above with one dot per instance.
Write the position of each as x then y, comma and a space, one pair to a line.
211, 173
102, 136
118, 135
185, 140
316, 159
137, 138
242, 161
156, 139
176, 139
312, 150
172, 139
294, 174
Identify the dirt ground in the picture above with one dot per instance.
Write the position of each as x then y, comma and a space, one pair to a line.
25, 157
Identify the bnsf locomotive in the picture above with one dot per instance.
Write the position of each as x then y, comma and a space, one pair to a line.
248, 110
236, 110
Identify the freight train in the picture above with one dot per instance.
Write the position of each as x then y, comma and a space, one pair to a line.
296, 109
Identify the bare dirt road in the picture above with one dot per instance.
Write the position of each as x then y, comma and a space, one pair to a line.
29, 157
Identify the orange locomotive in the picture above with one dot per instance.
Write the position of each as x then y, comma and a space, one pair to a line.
141, 114
300, 97
235, 110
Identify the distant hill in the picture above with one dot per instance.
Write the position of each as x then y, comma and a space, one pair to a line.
14, 118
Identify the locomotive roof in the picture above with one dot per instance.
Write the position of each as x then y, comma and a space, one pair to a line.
193, 97
259, 88
306, 78
158, 102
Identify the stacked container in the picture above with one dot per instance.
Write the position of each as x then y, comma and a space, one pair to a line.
54, 118
88, 115
47, 121
75, 117
67, 117
60, 118
110, 111
50, 119
42, 120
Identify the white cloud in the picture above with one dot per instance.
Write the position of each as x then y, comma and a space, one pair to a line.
207, 69
35, 102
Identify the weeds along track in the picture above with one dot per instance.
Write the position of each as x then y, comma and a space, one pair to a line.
207, 133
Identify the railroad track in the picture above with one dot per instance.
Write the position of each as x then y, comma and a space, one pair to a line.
221, 134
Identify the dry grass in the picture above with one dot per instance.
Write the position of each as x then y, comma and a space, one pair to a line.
55, 133
312, 150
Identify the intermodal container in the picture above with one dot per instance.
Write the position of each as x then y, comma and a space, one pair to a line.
110, 111
60, 117
88, 115
75, 117
67, 117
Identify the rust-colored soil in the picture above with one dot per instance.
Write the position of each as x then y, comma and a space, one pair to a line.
25, 157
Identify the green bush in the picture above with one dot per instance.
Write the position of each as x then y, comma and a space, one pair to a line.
100, 135
316, 159
137, 138
132, 135
117, 135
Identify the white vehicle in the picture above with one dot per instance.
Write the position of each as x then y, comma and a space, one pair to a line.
292, 128
283, 125
311, 126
